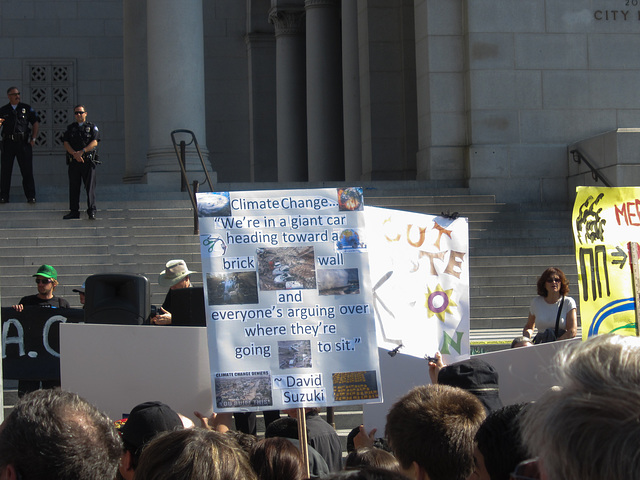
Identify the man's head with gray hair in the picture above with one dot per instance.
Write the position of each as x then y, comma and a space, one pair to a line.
57, 435
588, 428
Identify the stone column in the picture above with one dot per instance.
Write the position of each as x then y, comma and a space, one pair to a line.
261, 56
290, 93
262, 107
324, 91
176, 86
136, 140
351, 92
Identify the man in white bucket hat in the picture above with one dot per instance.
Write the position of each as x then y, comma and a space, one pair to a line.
175, 276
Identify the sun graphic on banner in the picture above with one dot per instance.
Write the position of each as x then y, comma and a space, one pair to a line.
438, 302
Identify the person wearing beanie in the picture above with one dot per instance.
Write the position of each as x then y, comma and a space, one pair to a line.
175, 276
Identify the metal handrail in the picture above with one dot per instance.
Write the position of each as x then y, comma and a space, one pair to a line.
181, 154
579, 157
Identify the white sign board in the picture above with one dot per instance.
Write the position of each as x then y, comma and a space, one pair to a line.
419, 266
524, 375
117, 367
287, 299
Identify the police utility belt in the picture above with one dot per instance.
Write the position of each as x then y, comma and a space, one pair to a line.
16, 137
91, 156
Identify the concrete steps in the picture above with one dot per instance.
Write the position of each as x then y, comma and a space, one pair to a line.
136, 232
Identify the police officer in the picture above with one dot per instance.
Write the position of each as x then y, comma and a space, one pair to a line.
17, 142
80, 141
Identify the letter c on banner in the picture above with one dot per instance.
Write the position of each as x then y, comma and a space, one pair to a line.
45, 333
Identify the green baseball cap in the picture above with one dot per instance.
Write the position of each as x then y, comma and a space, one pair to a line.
46, 271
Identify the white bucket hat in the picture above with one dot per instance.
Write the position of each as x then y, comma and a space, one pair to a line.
175, 271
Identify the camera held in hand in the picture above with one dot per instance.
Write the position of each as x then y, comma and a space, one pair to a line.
155, 311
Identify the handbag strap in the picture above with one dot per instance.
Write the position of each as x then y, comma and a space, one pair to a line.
558, 315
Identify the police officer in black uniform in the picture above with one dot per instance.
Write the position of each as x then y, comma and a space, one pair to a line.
81, 141
17, 142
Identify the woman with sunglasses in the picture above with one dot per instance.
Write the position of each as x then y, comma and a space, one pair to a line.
47, 281
551, 300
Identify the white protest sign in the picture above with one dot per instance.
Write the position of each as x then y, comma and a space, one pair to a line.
117, 367
419, 266
524, 375
287, 299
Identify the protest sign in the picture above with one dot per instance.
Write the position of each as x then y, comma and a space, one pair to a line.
419, 267
31, 341
287, 299
117, 367
605, 220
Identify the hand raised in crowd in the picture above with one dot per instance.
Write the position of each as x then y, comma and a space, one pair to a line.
18, 308
220, 422
435, 366
364, 439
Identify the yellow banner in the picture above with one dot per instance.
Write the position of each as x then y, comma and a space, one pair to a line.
605, 220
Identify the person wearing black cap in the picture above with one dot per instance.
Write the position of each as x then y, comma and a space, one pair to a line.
474, 375
80, 292
143, 423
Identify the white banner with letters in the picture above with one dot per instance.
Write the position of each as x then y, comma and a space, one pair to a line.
420, 279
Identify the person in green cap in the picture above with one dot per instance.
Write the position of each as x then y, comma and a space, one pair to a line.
47, 281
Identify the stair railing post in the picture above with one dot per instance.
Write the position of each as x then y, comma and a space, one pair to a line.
331, 420
196, 223
183, 160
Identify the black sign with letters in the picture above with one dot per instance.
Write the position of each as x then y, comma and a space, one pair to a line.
31, 341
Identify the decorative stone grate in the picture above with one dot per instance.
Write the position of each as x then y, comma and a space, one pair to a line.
51, 89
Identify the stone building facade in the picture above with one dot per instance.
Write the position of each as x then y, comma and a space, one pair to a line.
484, 94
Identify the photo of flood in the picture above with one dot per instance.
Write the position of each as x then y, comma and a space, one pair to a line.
338, 281
294, 354
234, 288
286, 268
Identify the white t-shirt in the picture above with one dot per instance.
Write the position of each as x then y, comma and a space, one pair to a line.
546, 313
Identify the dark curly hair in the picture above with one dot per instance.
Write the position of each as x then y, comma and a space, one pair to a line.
564, 283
